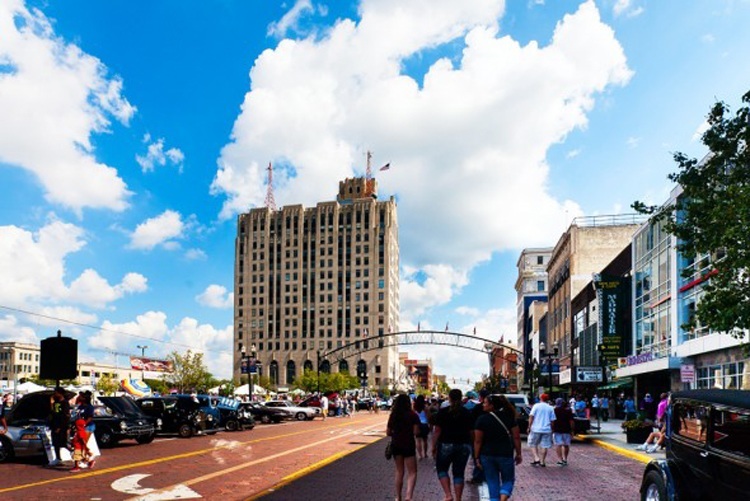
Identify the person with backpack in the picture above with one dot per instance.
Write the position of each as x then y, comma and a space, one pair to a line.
451, 444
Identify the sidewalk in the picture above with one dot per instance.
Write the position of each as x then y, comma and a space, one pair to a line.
612, 437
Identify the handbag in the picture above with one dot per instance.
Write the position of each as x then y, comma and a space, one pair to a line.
388, 450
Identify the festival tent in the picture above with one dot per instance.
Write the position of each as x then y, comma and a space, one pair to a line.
245, 390
136, 387
29, 387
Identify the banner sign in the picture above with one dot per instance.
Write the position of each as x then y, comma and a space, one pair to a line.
640, 359
687, 373
249, 365
150, 364
589, 375
612, 295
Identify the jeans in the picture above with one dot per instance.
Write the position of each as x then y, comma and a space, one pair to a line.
455, 455
500, 473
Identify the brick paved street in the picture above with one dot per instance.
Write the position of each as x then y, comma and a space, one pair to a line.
594, 472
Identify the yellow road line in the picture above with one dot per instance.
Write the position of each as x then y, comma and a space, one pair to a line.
150, 462
254, 462
622, 451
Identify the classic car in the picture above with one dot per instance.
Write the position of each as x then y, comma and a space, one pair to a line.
26, 423
119, 418
264, 414
707, 448
226, 412
292, 411
179, 414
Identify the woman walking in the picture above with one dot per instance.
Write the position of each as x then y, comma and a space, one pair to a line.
403, 427
420, 407
497, 446
562, 430
451, 444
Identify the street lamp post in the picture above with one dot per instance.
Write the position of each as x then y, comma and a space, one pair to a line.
318, 379
549, 356
12, 366
603, 364
143, 364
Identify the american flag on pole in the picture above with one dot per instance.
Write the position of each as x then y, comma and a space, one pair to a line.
386, 166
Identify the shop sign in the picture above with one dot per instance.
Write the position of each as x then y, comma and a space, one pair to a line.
640, 359
565, 376
588, 374
687, 373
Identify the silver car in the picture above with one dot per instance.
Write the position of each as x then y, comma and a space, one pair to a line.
21, 441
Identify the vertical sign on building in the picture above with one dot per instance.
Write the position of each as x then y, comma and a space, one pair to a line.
611, 293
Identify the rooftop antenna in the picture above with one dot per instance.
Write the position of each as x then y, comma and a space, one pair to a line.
270, 202
368, 172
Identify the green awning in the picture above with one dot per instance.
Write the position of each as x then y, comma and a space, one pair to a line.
624, 382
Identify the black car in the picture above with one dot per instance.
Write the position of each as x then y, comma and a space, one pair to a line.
119, 418
178, 414
227, 412
708, 448
264, 414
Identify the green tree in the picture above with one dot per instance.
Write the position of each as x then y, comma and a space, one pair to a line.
712, 216
107, 385
189, 373
158, 386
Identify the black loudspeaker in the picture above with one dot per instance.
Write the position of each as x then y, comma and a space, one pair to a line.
58, 358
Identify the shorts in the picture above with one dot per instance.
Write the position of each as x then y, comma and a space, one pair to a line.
561, 438
544, 440
424, 430
406, 452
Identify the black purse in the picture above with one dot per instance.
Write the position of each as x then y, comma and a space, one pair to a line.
388, 450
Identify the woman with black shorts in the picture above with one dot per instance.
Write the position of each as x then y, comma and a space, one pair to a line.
403, 427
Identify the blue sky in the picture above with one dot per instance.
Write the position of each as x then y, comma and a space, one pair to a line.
132, 133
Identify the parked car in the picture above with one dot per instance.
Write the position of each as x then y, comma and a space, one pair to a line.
292, 411
178, 414
119, 418
27, 421
314, 402
264, 414
225, 412
707, 448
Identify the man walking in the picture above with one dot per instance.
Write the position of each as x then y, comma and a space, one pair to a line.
324, 406
540, 430
59, 423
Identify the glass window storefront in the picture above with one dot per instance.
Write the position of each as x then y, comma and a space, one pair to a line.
730, 376
652, 291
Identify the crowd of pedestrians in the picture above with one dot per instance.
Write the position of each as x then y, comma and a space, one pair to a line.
449, 432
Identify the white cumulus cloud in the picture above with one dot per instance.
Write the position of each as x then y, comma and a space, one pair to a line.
216, 296
468, 154
156, 155
159, 230
52, 100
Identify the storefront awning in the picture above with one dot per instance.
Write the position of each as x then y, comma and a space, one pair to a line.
625, 382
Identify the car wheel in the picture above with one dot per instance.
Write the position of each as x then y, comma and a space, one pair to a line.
300, 416
105, 439
145, 439
265, 419
185, 430
232, 425
654, 489
6, 450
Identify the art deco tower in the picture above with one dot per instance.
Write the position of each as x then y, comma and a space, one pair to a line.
311, 280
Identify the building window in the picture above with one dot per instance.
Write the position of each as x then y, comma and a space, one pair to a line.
540, 260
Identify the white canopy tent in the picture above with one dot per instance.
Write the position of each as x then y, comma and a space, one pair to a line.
29, 387
257, 390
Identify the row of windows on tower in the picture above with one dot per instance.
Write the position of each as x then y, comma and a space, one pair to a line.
319, 220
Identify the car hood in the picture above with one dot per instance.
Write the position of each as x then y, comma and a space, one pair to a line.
123, 405
34, 406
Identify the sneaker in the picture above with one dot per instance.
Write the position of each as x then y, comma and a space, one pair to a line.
641, 447
561, 463
652, 449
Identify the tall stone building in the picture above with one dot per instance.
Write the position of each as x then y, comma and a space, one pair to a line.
531, 288
311, 280
589, 244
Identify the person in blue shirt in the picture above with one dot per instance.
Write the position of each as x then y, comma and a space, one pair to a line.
629, 408
580, 407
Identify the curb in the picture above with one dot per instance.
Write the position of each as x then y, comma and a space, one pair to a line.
622, 451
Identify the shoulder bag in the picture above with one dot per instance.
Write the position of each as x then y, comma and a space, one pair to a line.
389, 450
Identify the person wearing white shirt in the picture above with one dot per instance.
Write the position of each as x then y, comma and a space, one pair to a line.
324, 406
540, 430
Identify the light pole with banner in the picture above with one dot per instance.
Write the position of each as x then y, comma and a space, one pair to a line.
249, 365
549, 358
